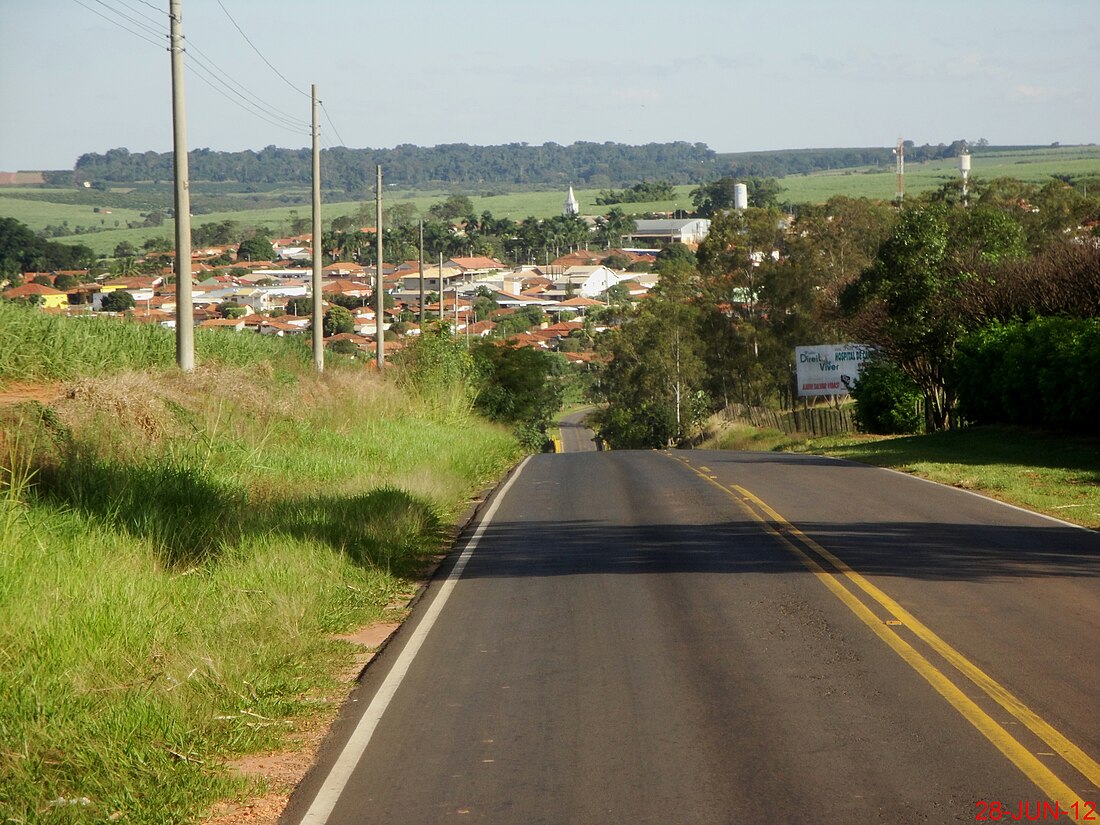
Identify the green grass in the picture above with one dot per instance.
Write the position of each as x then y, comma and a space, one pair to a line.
1044, 472
1030, 165
177, 552
36, 347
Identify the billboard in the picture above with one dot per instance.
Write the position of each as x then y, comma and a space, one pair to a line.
829, 369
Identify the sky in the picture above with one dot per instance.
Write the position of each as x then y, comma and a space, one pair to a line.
737, 75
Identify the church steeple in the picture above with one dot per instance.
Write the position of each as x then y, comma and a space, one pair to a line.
571, 206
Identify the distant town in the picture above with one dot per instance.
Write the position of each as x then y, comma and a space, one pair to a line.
538, 306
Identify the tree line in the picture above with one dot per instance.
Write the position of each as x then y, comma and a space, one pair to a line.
946, 291
510, 165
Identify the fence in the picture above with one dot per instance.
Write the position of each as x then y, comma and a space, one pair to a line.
817, 421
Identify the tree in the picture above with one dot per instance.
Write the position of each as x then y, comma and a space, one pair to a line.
256, 248
718, 196
125, 249
676, 257
118, 300
909, 302
455, 206
231, 309
518, 388
338, 320
613, 227
653, 383
398, 215
300, 306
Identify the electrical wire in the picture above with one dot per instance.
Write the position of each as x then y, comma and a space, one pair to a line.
139, 12
194, 51
335, 131
206, 69
258, 52
153, 30
206, 76
116, 23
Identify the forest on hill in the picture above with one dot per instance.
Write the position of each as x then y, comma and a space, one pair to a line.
510, 166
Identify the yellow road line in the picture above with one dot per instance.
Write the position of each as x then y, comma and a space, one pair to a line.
1020, 756
1070, 752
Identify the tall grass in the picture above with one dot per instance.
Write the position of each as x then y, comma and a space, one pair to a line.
36, 346
178, 551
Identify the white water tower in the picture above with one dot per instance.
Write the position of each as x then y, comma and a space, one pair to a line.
740, 197
964, 169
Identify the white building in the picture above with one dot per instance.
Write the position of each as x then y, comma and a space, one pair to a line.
689, 231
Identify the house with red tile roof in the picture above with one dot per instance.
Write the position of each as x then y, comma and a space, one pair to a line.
45, 296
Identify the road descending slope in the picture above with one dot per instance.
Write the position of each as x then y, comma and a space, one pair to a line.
712, 637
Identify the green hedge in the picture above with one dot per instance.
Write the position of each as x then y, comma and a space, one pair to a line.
1042, 373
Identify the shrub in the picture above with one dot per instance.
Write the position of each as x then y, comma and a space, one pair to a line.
1033, 374
887, 400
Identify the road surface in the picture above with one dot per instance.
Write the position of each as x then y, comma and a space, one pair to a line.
722, 637
575, 436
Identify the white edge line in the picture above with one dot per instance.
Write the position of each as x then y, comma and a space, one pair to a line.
337, 779
974, 493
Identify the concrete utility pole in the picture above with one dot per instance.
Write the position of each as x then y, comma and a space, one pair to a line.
185, 312
899, 155
318, 251
421, 276
379, 284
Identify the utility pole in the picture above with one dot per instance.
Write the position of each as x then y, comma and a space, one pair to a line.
185, 311
318, 252
421, 276
379, 284
899, 154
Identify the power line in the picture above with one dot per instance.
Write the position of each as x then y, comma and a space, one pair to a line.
335, 131
143, 14
202, 72
116, 23
133, 20
206, 59
264, 59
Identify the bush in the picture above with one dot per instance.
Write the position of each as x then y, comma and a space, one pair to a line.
887, 400
1034, 374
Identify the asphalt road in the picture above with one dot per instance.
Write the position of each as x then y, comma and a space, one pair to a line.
719, 637
575, 436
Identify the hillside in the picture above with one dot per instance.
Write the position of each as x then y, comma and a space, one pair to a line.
109, 212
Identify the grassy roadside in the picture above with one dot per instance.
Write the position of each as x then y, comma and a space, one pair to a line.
177, 553
1048, 473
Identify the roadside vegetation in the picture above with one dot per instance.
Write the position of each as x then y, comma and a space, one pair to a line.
1050, 473
178, 553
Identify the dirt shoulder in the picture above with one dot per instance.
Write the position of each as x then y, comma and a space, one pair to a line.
280, 772
13, 394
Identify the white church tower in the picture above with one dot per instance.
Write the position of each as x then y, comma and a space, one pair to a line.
571, 206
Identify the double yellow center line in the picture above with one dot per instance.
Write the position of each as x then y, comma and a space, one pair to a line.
845, 582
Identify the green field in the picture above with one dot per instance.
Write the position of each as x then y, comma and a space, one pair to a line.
1030, 165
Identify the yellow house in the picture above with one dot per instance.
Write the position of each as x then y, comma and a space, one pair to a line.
44, 296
